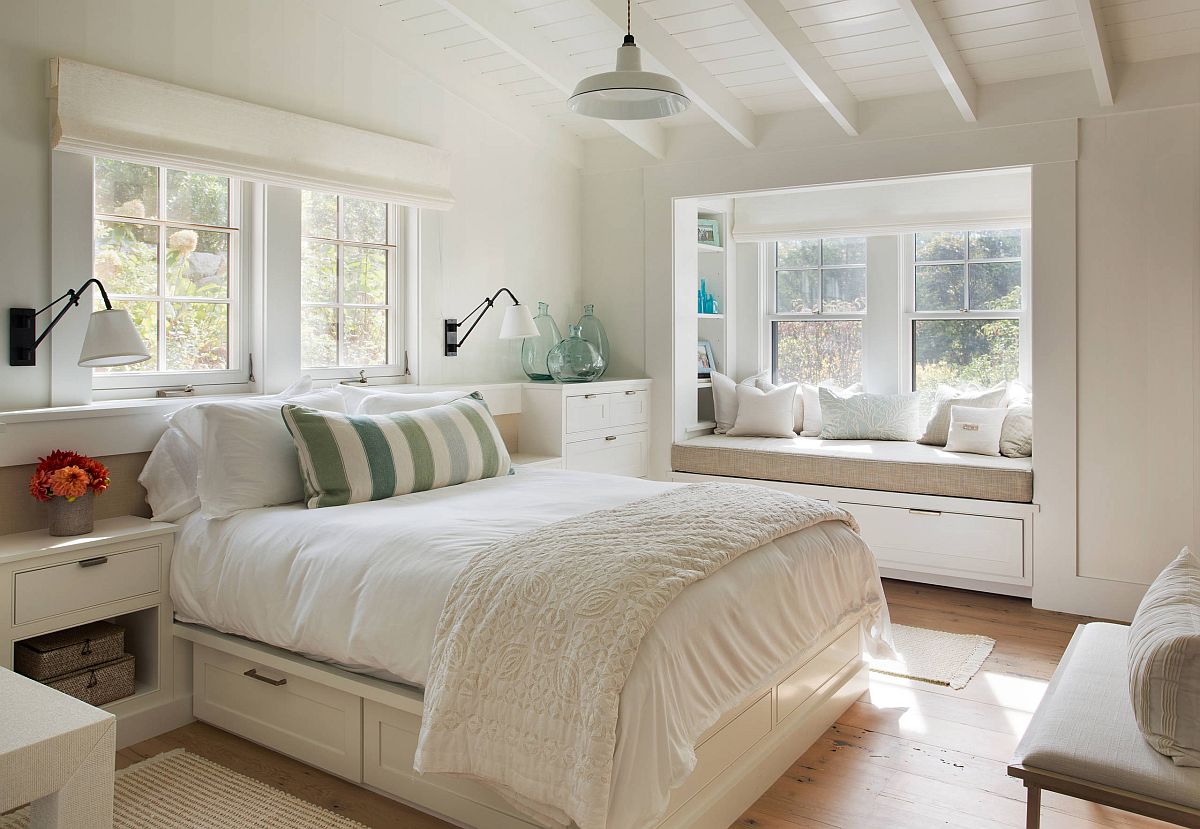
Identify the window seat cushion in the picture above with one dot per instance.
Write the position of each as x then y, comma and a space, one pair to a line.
888, 466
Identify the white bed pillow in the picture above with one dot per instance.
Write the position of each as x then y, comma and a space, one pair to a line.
169, 477
948, 396
811, 404
725, 403
391, 402
975, 430
869, 416
766, 414
1016, 436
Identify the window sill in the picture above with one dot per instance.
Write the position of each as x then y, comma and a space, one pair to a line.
114, 408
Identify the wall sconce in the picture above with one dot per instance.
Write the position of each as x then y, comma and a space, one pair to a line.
517, 323
111, 339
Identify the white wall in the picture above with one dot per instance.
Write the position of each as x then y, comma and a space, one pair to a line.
517, 218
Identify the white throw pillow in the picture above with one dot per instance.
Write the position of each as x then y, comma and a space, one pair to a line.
869, 416
812, 404
765, 413
1164, 661
947, 396
1016, 436
797, 405
725, 404
975, 430
389, 403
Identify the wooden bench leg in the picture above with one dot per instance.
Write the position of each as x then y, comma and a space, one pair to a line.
1033, 807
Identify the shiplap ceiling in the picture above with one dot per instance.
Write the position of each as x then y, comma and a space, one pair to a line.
739, 59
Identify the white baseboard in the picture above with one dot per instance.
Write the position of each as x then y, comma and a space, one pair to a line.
150, 722
1019, 590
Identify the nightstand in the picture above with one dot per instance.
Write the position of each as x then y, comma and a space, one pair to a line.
120, 572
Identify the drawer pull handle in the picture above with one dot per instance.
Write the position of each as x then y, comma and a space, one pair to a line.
630, 392
92, 562
588, 396
610, 437
254, 674
925, 511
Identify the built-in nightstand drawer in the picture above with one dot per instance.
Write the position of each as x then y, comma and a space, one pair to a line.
586, 412
630, 407
89, 582
613, 454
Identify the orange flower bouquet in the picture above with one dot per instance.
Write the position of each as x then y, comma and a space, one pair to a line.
68, 481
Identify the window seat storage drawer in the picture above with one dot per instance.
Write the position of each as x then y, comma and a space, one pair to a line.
586, 412
316, 724
89, 582
626, 454
950, 543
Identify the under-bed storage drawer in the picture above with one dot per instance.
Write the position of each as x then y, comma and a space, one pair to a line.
951, 543
809, 677
314, 723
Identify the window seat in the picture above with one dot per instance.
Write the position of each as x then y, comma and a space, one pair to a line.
889, 466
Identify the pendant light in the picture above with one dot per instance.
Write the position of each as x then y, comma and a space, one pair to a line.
628, 94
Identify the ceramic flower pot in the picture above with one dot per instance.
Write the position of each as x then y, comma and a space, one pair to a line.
72, 517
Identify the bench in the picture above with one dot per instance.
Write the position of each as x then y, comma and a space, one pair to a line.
1084, 742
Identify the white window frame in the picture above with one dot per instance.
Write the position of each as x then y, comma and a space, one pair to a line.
233, 379
772, 316
907, 377
398, 299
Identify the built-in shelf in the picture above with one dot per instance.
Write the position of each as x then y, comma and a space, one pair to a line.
711, 316
710, 248
704, 384
702, 426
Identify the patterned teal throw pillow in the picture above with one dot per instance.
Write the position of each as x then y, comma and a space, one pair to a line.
347, 459
869, 416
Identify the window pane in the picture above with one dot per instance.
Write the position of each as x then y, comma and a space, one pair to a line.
995, 244
197, 336
940, 246
797, 291
811, 351
366, 337
852, 250
845, 290
940, 287
318, 214
126, 258
364, 275
197, 263
318, 346
957, 352
125, 189
804, 253
364, 221
145, 320
995, 286
318, 272
198, 198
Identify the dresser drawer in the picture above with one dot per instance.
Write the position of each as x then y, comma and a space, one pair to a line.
949, 543
630, 408
586, 412
612, 454
62, 588
314, 723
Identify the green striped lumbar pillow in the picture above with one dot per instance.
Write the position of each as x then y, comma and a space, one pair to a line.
345, 459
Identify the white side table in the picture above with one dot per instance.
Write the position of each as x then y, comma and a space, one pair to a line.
56, 753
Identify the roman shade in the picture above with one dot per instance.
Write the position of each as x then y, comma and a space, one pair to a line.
98, 111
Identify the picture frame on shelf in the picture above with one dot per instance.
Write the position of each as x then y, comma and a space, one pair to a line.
706, 361
708, 232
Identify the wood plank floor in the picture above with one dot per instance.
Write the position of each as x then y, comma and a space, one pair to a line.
907, 755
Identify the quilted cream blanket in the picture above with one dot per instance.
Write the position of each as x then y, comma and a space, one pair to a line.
539, 633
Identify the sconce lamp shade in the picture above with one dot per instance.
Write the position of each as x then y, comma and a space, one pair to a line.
517, 323
112, 340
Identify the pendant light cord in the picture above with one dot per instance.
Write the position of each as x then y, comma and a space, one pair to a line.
629, 17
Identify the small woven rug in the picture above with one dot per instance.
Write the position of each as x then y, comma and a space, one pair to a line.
178, 790
935, 656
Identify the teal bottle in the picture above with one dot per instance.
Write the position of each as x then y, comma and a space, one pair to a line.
574, 360
594, 333
535, 350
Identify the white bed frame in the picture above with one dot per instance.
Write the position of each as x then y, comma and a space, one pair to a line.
365, 730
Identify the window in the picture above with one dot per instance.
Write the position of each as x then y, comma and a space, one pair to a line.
818, 290
349, 287
165, 245
967, 301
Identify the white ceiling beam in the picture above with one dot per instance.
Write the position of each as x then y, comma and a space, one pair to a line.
704, 90
789, 41
939, 47
507, 31
1095, 43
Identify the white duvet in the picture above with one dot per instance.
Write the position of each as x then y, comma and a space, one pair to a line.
363, 586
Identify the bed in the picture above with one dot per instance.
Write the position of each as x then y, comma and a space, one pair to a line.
738, 675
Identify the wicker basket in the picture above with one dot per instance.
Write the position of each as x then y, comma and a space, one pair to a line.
100, 684
66, 651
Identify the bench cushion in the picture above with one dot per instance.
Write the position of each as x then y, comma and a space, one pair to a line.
888, 466
1084, 727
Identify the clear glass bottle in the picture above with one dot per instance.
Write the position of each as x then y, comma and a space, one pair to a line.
535, 350
574, 360
594, 333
